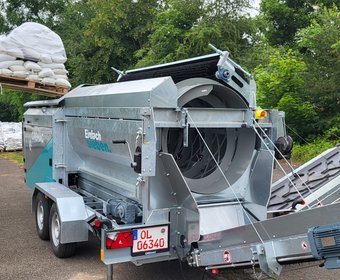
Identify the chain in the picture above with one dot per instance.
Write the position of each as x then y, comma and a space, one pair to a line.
253, 263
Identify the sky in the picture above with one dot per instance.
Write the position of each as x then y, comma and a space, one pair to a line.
256, 5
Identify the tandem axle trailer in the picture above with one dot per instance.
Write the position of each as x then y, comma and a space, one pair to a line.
175, 162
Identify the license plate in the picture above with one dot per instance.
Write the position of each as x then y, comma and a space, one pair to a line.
150, 240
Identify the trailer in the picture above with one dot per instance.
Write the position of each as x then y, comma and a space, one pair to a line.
175, 162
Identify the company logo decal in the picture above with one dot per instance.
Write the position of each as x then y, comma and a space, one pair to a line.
94, 141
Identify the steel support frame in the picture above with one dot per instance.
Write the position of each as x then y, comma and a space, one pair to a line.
283, 239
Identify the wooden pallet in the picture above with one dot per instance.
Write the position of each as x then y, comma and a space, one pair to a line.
9, 151
32, 86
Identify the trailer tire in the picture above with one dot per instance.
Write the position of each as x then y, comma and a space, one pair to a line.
65, 250
42, 215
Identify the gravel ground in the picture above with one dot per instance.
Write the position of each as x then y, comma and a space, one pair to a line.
24, 256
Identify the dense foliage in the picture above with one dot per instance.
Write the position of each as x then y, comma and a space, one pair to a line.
292, 47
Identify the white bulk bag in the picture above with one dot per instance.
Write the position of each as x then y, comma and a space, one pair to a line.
9, 48
46, 72
63, 83
7, 64
2, 141
20, 74
17, 68
60, 71
49, 81
33, 77
46, 58
32, 66
52, 65
12, 135
61, 77
6, 57
58, 59
6, 72
34, 39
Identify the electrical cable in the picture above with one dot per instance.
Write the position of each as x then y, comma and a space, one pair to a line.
204, 273
298, 135
304, 140
180, 262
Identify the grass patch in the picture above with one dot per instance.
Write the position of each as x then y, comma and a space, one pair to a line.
304, 153
13, 156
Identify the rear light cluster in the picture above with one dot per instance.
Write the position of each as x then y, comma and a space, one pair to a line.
117, 240
97, 223
215, 271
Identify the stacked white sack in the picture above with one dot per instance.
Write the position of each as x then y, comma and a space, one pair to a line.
11, 135
2, 142
34, 52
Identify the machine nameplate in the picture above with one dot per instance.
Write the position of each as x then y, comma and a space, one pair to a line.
328, 241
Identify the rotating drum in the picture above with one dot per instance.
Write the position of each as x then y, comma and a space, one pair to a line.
233, 148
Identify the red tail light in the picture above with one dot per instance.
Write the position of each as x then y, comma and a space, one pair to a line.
97, 223
116, 240
215, 271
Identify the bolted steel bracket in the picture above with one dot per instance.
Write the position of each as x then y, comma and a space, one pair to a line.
185, 125
267, 259
194, 258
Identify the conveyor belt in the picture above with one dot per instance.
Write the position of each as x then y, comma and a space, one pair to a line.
322, 171
201, 67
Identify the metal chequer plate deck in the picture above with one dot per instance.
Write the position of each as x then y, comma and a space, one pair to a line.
319, 183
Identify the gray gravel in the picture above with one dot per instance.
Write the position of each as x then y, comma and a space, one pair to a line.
24, 256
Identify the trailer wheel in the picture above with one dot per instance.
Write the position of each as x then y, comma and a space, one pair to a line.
42, 214
65, 250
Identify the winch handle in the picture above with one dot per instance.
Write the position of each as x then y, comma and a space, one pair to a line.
119, 141
133, 162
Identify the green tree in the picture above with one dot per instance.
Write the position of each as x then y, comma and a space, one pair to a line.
169, 29
108, 34
11, 104
320, 47
15, 12
184, 29
80, 50
280, 85
285, 17
8, 111
300, 115
282, 75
